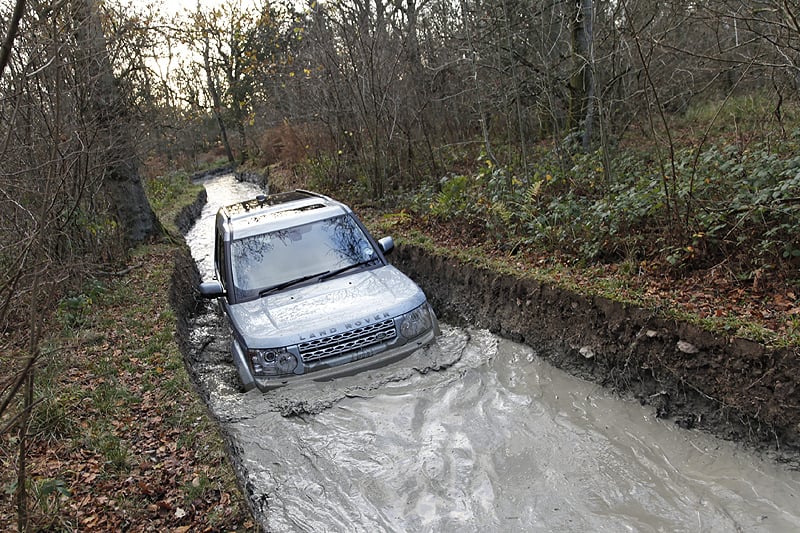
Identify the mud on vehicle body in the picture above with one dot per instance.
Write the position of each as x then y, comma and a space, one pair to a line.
308, 292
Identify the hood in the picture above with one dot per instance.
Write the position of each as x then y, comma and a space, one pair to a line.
321, 309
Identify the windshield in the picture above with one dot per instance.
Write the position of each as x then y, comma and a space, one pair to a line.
263, 261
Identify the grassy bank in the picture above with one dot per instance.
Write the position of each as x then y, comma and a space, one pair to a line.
711, 300
120, 439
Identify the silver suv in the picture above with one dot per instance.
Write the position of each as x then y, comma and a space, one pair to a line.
308, 292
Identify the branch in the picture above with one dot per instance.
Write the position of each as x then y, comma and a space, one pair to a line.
13, 28
15, 386
119, 273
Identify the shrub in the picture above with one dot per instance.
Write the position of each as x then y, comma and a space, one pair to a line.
722, 204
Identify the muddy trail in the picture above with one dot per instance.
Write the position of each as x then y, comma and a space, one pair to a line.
475, 433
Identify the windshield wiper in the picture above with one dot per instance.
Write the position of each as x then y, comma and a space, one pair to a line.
285, 284
338, 271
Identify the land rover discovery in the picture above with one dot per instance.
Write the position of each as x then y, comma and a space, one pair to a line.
308, 292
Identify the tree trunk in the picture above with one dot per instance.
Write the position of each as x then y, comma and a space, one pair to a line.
22, 453
216, 100
482, 117
13, 28
587, 9
121, 178
581, 84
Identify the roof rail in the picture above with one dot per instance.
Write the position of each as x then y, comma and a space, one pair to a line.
262, 200
312, 193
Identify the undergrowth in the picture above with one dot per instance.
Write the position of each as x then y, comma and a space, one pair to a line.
722, 205
712, 237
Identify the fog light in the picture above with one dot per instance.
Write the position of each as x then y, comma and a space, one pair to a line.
286, 363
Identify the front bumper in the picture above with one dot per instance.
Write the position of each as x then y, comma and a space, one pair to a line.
327, 369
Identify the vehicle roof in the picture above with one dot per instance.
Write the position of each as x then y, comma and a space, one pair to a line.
266, 213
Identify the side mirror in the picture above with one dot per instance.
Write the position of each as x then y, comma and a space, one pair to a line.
386, 244
211, 289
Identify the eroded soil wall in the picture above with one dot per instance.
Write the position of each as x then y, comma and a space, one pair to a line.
734, 388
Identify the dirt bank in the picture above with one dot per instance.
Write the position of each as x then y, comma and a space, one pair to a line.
734, 388
184, 296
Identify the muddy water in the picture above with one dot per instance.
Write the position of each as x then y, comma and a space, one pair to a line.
474, 434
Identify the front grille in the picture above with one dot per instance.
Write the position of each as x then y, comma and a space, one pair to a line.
348, 341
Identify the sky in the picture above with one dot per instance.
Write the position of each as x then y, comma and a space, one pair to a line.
178, 6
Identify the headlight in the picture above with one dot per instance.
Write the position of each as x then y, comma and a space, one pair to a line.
416, 322
272, 362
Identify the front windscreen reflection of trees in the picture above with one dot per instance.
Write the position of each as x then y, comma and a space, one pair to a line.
265, 260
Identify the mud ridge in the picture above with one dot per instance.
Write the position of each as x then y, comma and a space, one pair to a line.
188, 214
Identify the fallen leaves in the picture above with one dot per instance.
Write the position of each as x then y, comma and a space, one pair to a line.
142, 455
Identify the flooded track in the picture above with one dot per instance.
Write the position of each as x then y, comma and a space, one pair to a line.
473, 434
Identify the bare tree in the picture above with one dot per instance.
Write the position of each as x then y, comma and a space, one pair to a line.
109, 115
229, 42
212, 82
